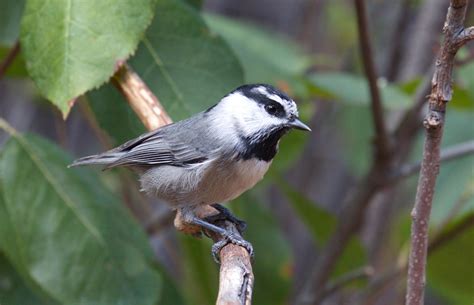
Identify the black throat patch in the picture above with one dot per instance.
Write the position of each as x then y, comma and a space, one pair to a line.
261, 146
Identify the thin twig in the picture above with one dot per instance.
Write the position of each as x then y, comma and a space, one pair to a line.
451, 233
441, 92
381, 136
353, 215
450, 153
357, 201
6, 63
344, 280
385, 280
236, 275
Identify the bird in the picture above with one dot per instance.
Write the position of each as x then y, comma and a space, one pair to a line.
211, 157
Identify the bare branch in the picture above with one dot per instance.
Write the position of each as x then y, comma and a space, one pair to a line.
348, 278
450, 153
441, 92
353, 214
145, 104
236, 275
465, 36
410, 120
5, 64
381, 138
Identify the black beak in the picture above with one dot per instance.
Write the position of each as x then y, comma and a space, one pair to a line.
297, 124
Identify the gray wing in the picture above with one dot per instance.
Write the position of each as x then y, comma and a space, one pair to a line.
178, 144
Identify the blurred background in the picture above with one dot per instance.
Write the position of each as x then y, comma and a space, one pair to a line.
310, 49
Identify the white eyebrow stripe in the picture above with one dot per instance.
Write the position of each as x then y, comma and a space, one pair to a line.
261, 90
276, 98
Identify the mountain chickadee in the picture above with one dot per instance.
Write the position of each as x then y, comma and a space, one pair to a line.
211, 157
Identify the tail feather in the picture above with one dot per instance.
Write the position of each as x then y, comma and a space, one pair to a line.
105, 159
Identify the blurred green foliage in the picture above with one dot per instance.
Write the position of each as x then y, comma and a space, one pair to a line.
321, 224
449, 269
68, 240
10, 16
13, 289
67, 234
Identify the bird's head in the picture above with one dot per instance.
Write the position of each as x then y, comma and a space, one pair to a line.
256, 114
257, 110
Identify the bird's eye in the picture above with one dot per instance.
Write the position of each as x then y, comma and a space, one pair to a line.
271, 109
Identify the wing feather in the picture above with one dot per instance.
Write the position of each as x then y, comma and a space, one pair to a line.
155, 148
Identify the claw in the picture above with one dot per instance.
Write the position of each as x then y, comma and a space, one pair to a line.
228, 236
233, 239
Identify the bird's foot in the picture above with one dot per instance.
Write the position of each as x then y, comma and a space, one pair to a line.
228, 236
226, 214
232, 238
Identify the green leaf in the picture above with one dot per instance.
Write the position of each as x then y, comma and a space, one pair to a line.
322, 224
71, 47
187, 66
13, 290
449, 268
10, 15
266, 57
64, 232
354, 89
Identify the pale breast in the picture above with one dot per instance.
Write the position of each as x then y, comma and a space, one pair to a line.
228, 180
213, 182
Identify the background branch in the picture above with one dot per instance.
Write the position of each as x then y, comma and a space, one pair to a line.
381, 137
450, 153
5, 64
361, 273
236, 275
441, 92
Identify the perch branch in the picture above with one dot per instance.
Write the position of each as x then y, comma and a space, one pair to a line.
145, 104
6, 63
441, 91
381, 136
450, 153
236, 275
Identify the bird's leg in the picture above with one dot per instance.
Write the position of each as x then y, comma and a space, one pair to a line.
228, 236
226, 214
